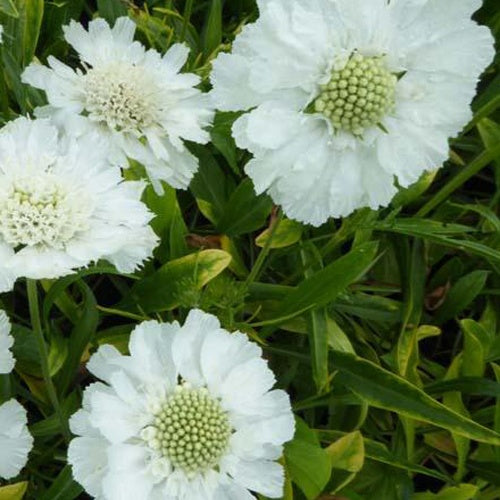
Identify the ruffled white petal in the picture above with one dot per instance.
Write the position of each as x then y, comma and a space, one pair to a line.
109, 219
173, 109
122, 415
276, 70
88, 456
7, 360
15, 440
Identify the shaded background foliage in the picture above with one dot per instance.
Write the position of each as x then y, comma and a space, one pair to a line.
384, 327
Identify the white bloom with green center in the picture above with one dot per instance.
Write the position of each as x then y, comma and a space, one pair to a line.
189, 414
63, 205
15, 440
139, 100
348, 98
7, 360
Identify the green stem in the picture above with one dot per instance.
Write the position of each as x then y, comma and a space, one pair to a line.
36, 325
461, 178
257, 268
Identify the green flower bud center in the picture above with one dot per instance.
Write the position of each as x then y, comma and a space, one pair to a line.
359, 95
191, 430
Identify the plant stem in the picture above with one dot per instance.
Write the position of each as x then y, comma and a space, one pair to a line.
256, 269
36, 325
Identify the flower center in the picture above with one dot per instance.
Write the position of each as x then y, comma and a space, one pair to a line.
359, 95
38, 210
120, 95
191, 430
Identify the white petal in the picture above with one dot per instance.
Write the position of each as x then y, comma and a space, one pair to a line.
264, 477
88, 459
15, 440
186, 348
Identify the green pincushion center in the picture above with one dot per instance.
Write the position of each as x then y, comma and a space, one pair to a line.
191, 430
359, 95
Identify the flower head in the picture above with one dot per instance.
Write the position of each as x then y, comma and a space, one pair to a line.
189, 414
63, 206
15, 439
135, 97
345, 97
7, 361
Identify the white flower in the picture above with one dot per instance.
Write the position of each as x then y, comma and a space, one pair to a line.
345, 96
7, 361
15, 439
133, 96
190, 414
62, 206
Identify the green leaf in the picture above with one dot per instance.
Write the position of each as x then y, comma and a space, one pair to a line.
9, 7
325, 285
168, 224
383, 389
13, 491
308, 464
223, 140
161, 290
440, 235
348, 452
209, 186
245, 211
476, 347
23, 31
461, 295
111, 9
462, 492
213, 29
286, 234
63, 488
379, 453
82, 334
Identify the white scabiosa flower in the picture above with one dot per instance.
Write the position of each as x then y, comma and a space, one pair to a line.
15, 439
348, 96
63, 206
135, 97
190, 414
7, 361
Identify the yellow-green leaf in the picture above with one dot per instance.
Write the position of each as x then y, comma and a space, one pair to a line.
348, 452
286, 234
13, 491
462, 492
164, 289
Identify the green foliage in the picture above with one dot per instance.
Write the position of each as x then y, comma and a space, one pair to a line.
383, 327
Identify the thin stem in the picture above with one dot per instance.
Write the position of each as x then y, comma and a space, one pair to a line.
257, 268
36, 325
